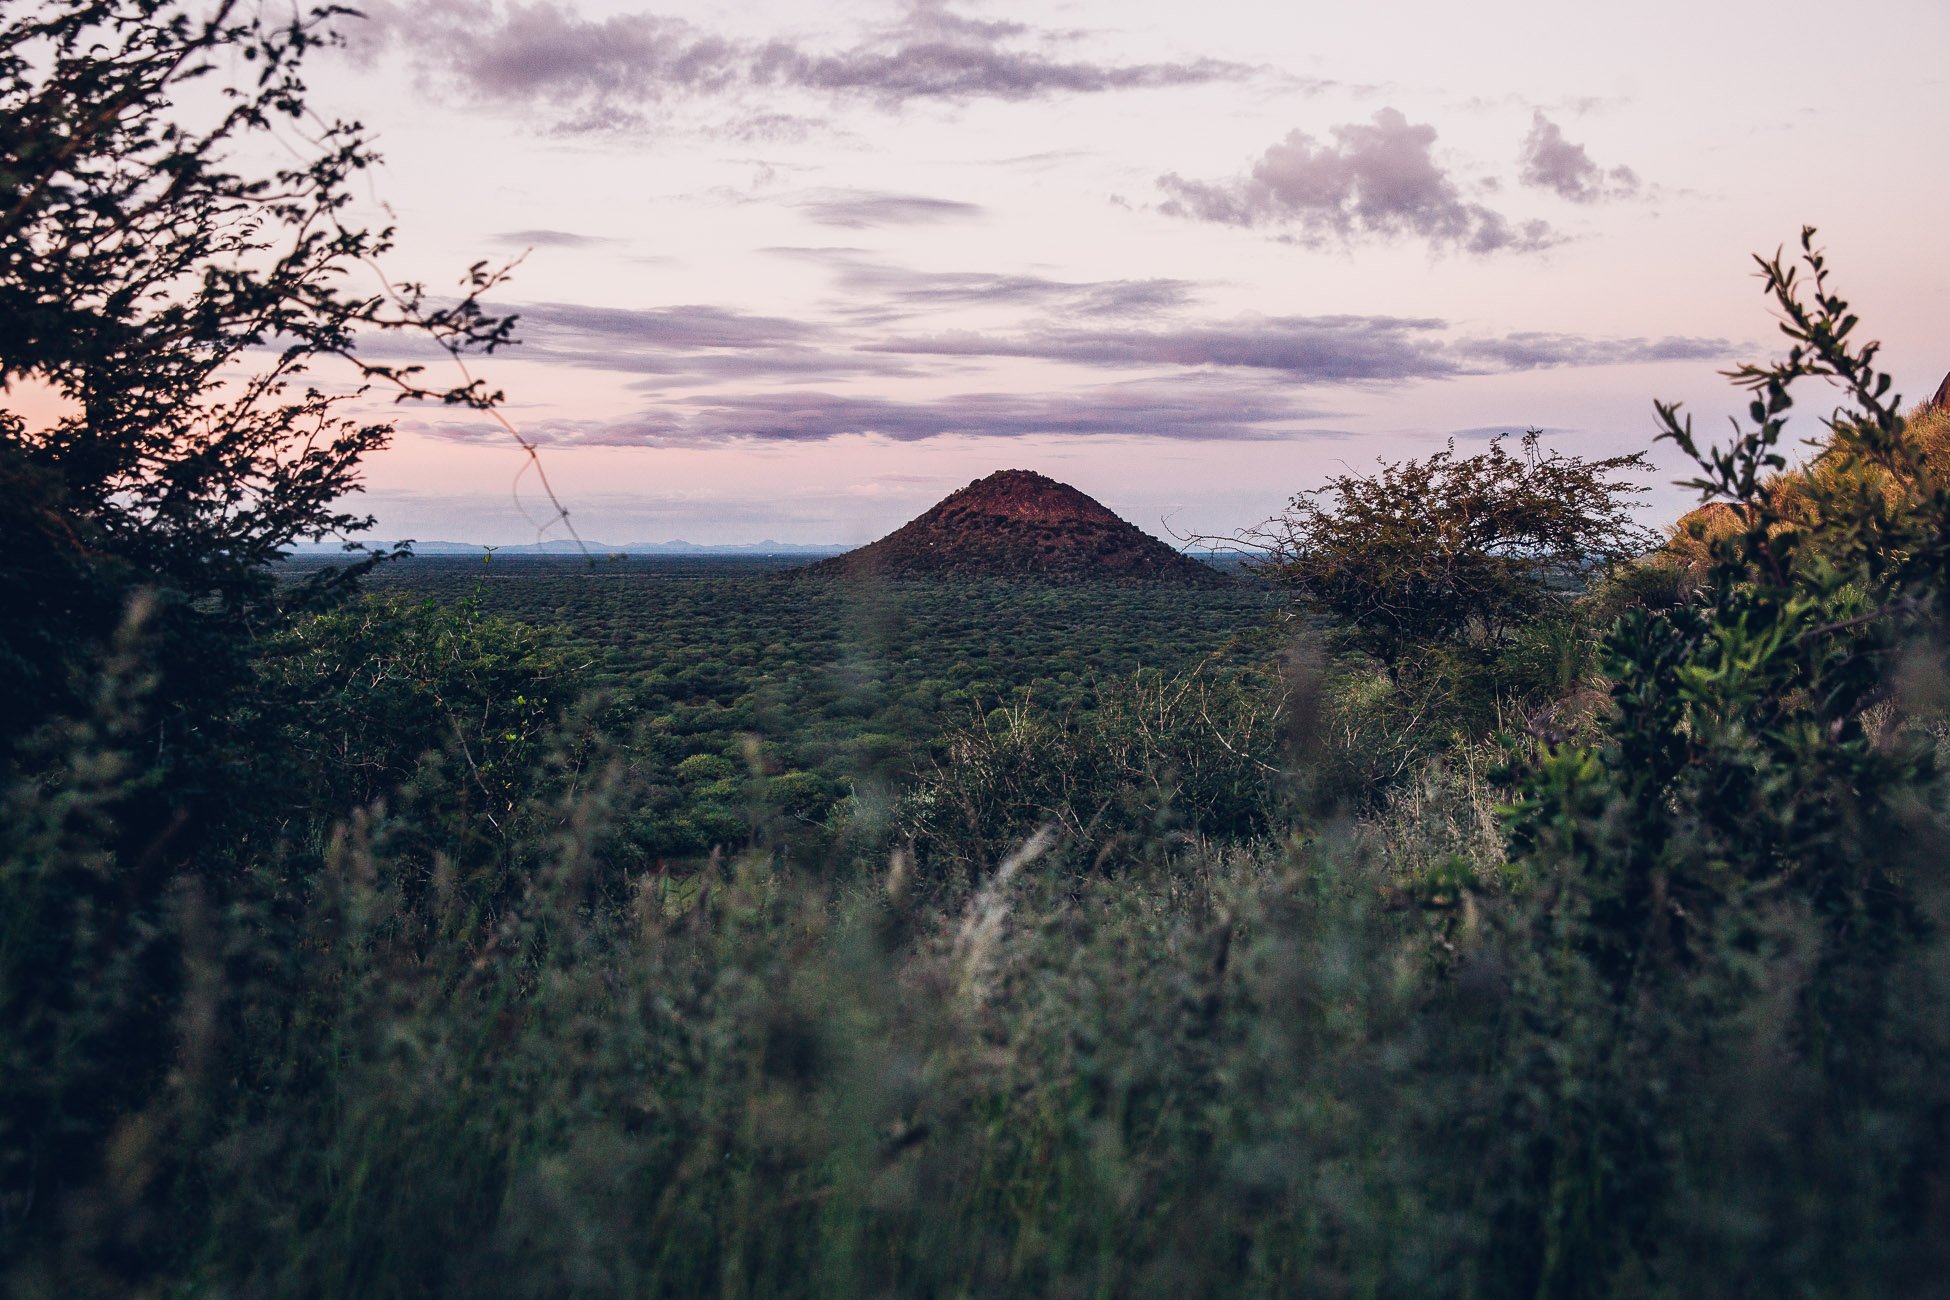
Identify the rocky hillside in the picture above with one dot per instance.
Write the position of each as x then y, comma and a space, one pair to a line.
1017, 523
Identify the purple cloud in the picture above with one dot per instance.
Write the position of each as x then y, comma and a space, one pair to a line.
1529, 350
603, 71
1378, 179
1317, 349
1176, 409
699, 345
880, 291
549, 239
1550, 162
859, 209
1302, 349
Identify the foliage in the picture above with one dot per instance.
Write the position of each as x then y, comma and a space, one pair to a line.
1743, 798
1740, 718
1451, 550
177, 311
1162, 761
180, 311
1210, 1072
735, 674
84, 964
360, 696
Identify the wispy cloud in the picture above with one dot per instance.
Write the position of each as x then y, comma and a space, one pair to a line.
1377, 180
879, 291
549, 239
1536, 351
1318, 349
693, 345
957, 69
770, 379
688, 328
1550, 162
603, 72
1301, 349
860, 209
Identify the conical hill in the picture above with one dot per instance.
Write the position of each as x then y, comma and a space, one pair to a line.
1017, 523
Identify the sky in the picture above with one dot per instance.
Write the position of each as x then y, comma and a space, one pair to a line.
795, 272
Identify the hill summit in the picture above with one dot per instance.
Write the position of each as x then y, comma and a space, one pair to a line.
1018, 523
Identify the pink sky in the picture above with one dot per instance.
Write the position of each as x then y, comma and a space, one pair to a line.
796, 273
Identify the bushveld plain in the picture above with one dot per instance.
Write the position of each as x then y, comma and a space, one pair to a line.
1460, 887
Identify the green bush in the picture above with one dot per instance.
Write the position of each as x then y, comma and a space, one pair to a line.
353, 701
1451, 552
1739, 857
1160, 761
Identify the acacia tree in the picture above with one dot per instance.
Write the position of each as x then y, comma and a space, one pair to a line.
1451, 550
179, 308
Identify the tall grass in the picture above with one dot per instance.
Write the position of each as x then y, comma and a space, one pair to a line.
1336, 1056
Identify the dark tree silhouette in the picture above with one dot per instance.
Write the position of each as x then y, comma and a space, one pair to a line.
197, 324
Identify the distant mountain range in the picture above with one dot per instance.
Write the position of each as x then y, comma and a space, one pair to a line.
560, 547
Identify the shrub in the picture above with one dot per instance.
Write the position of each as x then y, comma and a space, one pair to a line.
1735, 842
353, 701
1160, 760
1451, 551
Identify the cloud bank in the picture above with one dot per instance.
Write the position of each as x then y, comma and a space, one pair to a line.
602, 72
714, 374
1176, 410
697, 345
1316, 350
